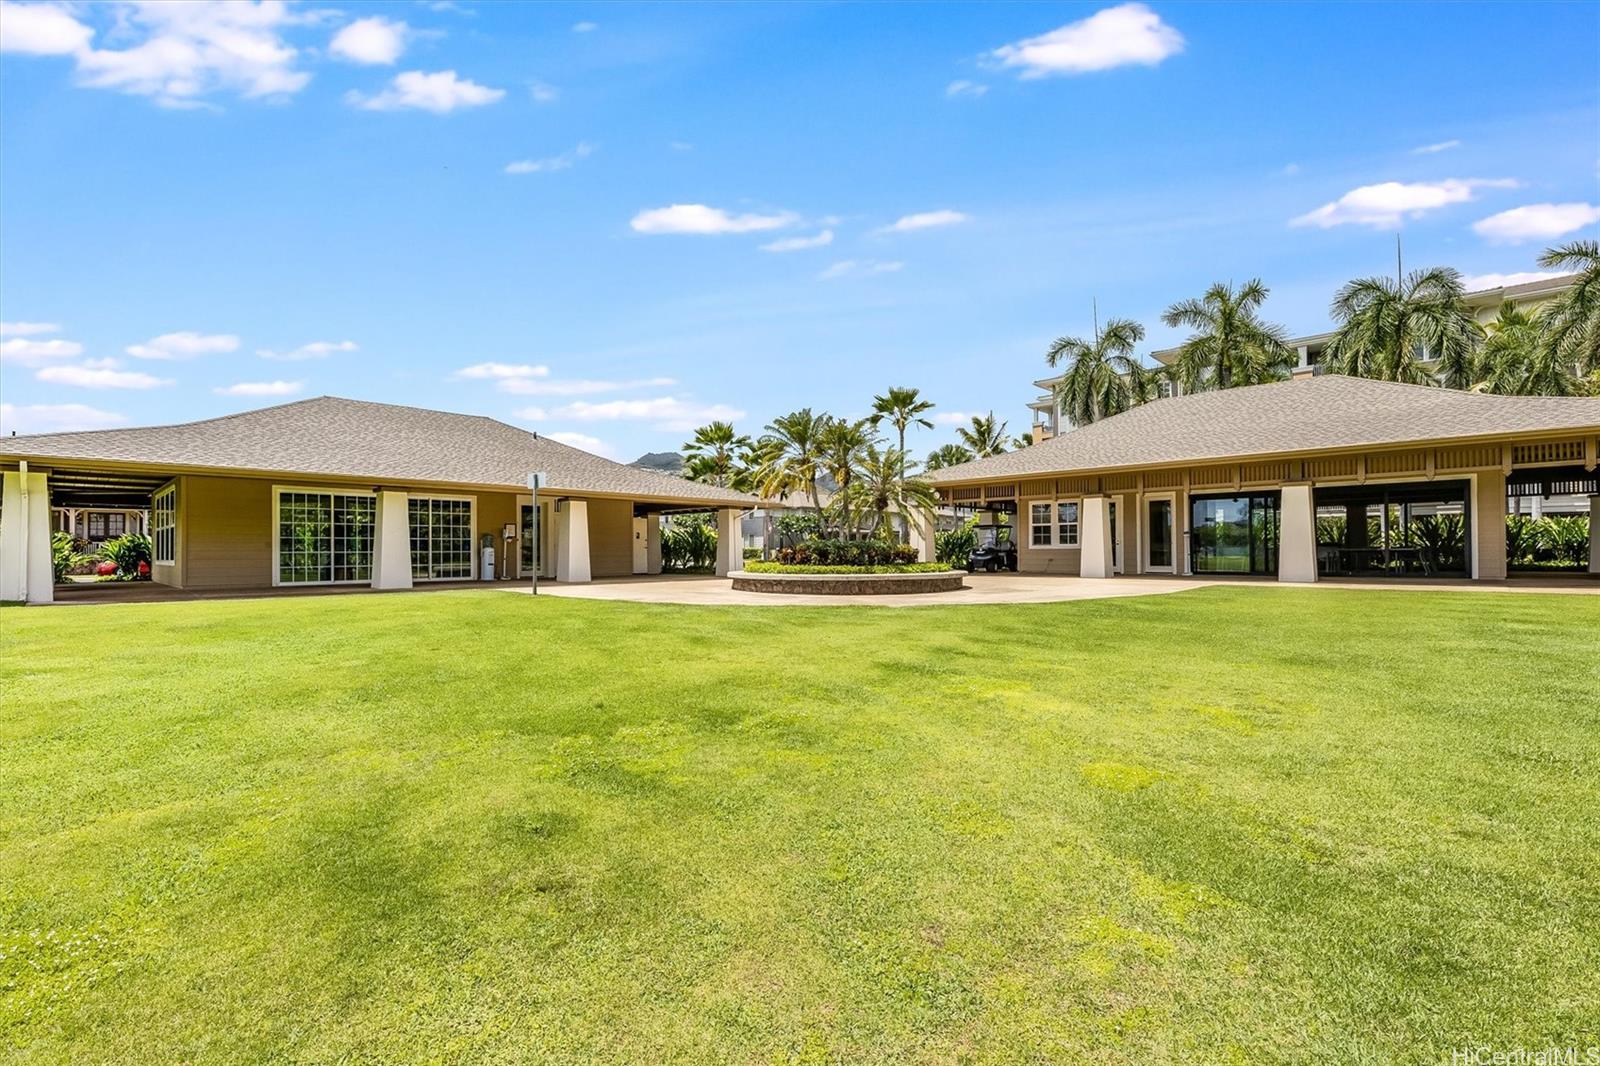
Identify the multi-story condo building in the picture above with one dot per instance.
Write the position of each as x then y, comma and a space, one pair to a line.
1050, 421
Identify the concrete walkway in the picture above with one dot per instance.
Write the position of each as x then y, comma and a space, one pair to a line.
998, 588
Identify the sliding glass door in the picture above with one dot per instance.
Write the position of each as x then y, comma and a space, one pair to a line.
1234, 534
324, 538
441, 538
1158, 531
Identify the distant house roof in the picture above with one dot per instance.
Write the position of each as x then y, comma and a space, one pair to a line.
332, 437
1308, 414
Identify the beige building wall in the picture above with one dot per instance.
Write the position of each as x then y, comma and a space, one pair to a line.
610, 538
225, 532
1489, 525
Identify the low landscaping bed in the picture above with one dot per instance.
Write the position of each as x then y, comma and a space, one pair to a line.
816, 568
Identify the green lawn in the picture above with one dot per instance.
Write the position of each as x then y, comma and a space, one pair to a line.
1239, 824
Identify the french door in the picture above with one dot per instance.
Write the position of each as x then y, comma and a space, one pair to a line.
534, 541
1159, 553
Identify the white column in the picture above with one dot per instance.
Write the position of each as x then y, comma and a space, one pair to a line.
391, 548
920, 527
730, 546
25, 571
1094, 543
572, 540
652, 544
1297, 535
1594, 534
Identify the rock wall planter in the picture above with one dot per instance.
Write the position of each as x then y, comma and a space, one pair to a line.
849, 584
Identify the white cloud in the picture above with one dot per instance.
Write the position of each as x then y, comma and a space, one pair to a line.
527, 386
665, 412
553, 163
41, 30
313, 350
925, 220
27, 329
543, 92
261, 388
1537, 222
962, 87
952, 418
858, 268
440, 92
54, 418
1434, 149
532, 414
700, 219
800, 244
184, 52
185, 344
21, 351
594, 445
1290, 170
585, 27
1113, 37
680, 146
98, 374
1479, 282
494, 371
372, 41
1388, 204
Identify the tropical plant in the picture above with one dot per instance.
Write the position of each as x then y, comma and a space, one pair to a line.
1522, 537
947, 455
880, 487
1022, 440
837, 552
1517, 359
791, 457
1103, 377
1565, 539
689, 542
715, 455
954, 546
902, 408
1572, 320
1231, 344
1389, 326
63, 553
1441, 538
796, 527
983, 436
843, 446
131, 553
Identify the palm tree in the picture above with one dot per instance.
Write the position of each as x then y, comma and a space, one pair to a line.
947, 455
1387, 327
881, 487
792, 456
1231, 345
1022, 440
714, 455
1518, 360
842, 444
1096, 384
984, 436
903, 407
1572, 320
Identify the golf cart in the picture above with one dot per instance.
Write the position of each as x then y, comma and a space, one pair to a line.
996, 548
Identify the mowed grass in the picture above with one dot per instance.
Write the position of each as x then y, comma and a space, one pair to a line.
1241, 824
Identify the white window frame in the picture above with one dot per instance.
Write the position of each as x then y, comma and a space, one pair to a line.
1177, 565
319, 490
1056, 543
157, 527
472, 521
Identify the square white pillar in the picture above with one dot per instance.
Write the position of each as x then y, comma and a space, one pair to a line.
1594, 534
730, 546
26, 574
391, 547
1095, 557
1297, 535
920, 527
652, 544
572, 540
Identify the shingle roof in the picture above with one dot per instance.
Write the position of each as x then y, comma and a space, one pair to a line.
333, 437
1307, 414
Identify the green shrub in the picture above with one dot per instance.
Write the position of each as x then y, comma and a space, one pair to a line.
797, 527
848, 553
752, 553
689, 542
1554, 541
63, 553
799, 568
128, 551
1521, 538
953, 546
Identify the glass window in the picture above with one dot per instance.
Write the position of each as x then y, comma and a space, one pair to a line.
1160, 533
97, 526
116, 524
1039, 525
164, 525
441, 538
1067, 523
325, 537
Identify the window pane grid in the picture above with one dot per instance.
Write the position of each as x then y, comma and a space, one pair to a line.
1067, 519
441, 538
164, 525
324, 537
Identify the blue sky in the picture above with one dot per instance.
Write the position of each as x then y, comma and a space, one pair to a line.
611, 223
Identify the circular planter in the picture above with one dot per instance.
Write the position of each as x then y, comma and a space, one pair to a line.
849, 584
